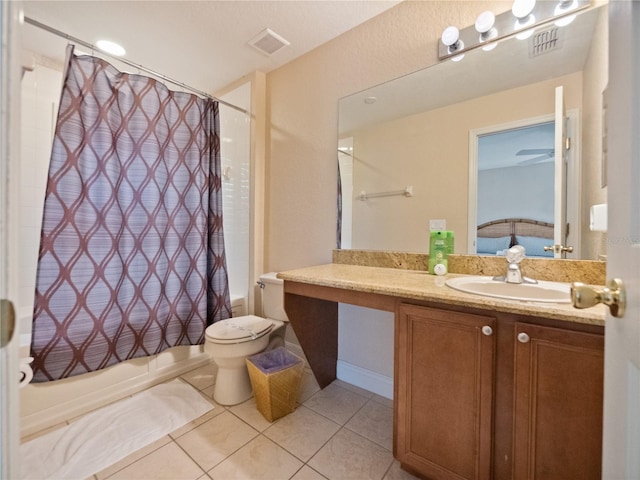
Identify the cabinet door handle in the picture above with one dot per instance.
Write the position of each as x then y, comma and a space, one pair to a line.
487, 330
523, 337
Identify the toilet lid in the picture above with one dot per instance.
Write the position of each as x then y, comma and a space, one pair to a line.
239, 329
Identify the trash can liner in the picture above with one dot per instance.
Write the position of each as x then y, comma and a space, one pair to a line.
274, 360
275, 377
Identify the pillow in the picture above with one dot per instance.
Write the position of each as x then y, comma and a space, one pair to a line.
534, 246
491, 246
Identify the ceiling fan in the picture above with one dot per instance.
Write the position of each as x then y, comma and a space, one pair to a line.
543, 154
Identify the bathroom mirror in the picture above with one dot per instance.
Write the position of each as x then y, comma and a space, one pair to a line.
405, 145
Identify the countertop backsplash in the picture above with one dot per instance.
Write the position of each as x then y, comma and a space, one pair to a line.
592, 272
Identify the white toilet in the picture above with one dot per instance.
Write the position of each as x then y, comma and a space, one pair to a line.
229, 342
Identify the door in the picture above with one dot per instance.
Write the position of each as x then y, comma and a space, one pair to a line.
9, 226
560, 178
527, 143
444, 392
622, 335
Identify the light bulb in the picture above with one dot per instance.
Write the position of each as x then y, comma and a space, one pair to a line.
523, 8
521, 24
111, 47
450, 37
565, 6
485, 22
526, 34
490, 46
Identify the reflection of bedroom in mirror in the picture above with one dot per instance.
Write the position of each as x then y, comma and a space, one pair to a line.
515, 189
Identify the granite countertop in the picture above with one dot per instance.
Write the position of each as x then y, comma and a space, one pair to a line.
419, 285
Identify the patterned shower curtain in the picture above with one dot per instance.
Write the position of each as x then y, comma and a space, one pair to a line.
132, 256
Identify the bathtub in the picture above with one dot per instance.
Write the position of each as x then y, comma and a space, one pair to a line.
46, 404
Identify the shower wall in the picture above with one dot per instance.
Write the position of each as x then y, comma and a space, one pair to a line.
40, 97
235, 133
46, 404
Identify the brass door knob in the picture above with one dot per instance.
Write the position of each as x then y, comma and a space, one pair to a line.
613, 295
558, 249
7, 321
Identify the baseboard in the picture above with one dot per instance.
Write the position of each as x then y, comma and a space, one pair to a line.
363, 378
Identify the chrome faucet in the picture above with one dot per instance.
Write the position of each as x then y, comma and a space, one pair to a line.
514, 275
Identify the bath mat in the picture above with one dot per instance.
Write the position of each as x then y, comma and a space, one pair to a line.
105, 436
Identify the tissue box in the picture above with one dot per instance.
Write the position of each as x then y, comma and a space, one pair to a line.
598, 218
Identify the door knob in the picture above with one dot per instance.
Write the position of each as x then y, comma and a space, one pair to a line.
558, 249
8, 320
487, 330
613, 295
523, 337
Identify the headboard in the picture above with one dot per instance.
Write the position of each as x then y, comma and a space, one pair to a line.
506, 232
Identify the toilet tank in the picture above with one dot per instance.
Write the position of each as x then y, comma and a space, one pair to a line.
273, 297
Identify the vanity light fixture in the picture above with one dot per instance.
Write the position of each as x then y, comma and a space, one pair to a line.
111, 48
521, 21
485, 27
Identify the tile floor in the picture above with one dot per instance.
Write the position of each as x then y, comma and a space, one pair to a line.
340, 432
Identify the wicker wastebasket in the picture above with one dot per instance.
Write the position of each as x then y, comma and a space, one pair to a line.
275, 377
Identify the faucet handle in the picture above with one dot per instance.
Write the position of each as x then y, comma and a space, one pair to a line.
515, 254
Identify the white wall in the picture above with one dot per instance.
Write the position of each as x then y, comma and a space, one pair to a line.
370, 365
40, 97
508, 193
596, 77
302, 138
235, 132
434, 143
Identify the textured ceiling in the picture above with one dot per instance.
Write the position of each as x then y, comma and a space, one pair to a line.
201, 43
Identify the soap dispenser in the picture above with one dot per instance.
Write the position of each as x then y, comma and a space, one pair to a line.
438, 250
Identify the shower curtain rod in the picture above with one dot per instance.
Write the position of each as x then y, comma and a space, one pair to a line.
93, 48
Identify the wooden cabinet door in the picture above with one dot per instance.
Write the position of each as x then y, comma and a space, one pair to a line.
558, 404
444, 392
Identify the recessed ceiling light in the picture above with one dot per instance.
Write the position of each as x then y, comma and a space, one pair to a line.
111, 48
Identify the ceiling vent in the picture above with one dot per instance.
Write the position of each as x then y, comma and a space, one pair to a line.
268, 42
544, 42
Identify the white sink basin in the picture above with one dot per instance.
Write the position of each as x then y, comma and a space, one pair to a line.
551, 292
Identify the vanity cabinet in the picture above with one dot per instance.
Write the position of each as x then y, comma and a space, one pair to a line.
482, 396
558, 403
444, 392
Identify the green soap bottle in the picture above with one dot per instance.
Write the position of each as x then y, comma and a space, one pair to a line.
438, 249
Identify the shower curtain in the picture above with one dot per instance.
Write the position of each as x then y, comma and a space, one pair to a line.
132, 256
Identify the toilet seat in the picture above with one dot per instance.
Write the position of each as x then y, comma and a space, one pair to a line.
239, 329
